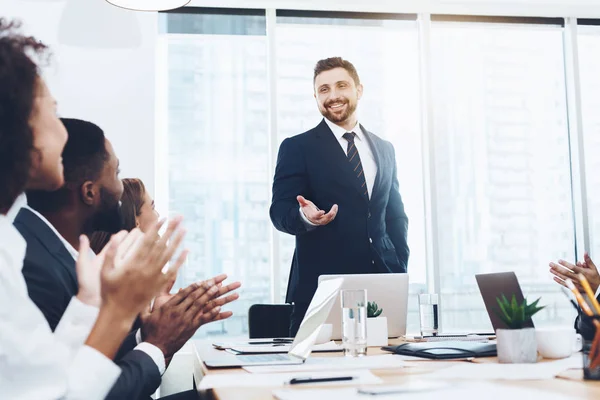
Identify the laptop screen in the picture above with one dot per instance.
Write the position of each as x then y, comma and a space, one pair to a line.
317, 313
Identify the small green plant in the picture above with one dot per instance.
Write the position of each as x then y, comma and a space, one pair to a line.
373, 310
515, 315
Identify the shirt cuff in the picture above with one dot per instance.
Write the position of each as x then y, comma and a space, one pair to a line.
597, 292
154, 353
91, 375
309, 225
76, 323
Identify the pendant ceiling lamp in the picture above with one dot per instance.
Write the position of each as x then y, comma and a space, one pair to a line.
149, 5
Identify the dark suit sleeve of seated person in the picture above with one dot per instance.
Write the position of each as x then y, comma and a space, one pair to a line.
289, 182
584, 327
139, 377
396, 219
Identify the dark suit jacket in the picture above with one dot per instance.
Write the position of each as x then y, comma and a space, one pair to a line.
365, 237
49, 270
585, 327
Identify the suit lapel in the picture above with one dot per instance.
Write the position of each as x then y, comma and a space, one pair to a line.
377, 154
336, 157
48, 239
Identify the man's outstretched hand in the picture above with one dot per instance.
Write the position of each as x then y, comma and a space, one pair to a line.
314, 214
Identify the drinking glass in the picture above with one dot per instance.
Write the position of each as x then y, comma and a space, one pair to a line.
354, 322
428, 313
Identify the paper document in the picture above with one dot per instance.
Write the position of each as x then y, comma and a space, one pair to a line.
387, 361
487, 390
283, 348
539, 371
212, 381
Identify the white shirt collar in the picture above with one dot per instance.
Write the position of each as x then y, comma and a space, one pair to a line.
338, 131
70, 248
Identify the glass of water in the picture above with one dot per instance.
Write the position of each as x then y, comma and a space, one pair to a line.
428, 312
354, 322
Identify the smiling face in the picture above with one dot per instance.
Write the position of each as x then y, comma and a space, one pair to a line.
337, 95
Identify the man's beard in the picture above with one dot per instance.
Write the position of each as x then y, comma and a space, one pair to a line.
337, 118
108, 218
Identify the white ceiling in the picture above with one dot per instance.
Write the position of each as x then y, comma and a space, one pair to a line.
542, 8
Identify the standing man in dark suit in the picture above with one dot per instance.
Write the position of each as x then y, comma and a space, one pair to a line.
341, 167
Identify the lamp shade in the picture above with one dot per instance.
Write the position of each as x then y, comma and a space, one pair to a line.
149, 5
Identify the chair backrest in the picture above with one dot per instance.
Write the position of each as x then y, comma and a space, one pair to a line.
269, 320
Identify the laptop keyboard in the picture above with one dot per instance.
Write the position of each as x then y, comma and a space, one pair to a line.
263, 358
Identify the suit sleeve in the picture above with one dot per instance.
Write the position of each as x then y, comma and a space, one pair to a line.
139, 377
46, 291
396, 219
289, 182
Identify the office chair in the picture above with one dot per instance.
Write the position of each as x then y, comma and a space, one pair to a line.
269, 320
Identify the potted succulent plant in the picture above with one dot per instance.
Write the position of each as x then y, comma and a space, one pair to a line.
516, 344
377, 331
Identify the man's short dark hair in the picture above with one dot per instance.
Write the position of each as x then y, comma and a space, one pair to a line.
19, 83
84, 158
336, 62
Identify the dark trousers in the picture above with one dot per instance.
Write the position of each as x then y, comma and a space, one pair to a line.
298, 311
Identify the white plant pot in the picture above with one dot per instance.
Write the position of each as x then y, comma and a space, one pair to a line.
377, 332
516, 346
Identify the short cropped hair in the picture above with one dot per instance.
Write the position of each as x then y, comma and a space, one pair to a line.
84, 158
336, 62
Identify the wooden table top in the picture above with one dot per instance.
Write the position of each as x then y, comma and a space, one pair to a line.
568, 383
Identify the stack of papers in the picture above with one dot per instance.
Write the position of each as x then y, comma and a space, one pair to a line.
539, 371
282, 348
387, 361
213, 381
481, 390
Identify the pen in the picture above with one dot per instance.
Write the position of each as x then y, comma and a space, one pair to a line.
566, 293
297, 381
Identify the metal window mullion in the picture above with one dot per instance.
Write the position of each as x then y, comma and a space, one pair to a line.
576, 138
271, 15
427, 137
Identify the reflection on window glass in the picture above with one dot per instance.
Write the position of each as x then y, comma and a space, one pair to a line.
218, 161
503, 196
589, 64
385, 53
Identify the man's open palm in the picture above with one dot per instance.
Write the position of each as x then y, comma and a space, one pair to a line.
314, 214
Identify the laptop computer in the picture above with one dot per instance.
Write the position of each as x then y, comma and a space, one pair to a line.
317, 313
495, 285
390, 291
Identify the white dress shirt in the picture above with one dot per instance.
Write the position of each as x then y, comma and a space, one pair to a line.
367, 159
153, 352
36, 364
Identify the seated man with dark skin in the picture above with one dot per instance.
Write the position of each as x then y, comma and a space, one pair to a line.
564, 270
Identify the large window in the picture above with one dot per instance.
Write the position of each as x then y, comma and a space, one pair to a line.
589, 56
502, 164
386, 56
483, 155
218, 155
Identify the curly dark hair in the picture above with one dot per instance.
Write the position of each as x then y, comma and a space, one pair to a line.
19, 80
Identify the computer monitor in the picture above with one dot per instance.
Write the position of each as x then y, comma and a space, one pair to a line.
389, 291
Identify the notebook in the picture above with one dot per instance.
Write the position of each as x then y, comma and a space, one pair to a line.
447, 350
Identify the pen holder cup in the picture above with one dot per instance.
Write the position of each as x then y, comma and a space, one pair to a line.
591, 348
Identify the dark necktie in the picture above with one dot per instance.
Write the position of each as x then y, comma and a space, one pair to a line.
354, 160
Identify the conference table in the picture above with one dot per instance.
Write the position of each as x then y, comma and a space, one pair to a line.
569, 383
